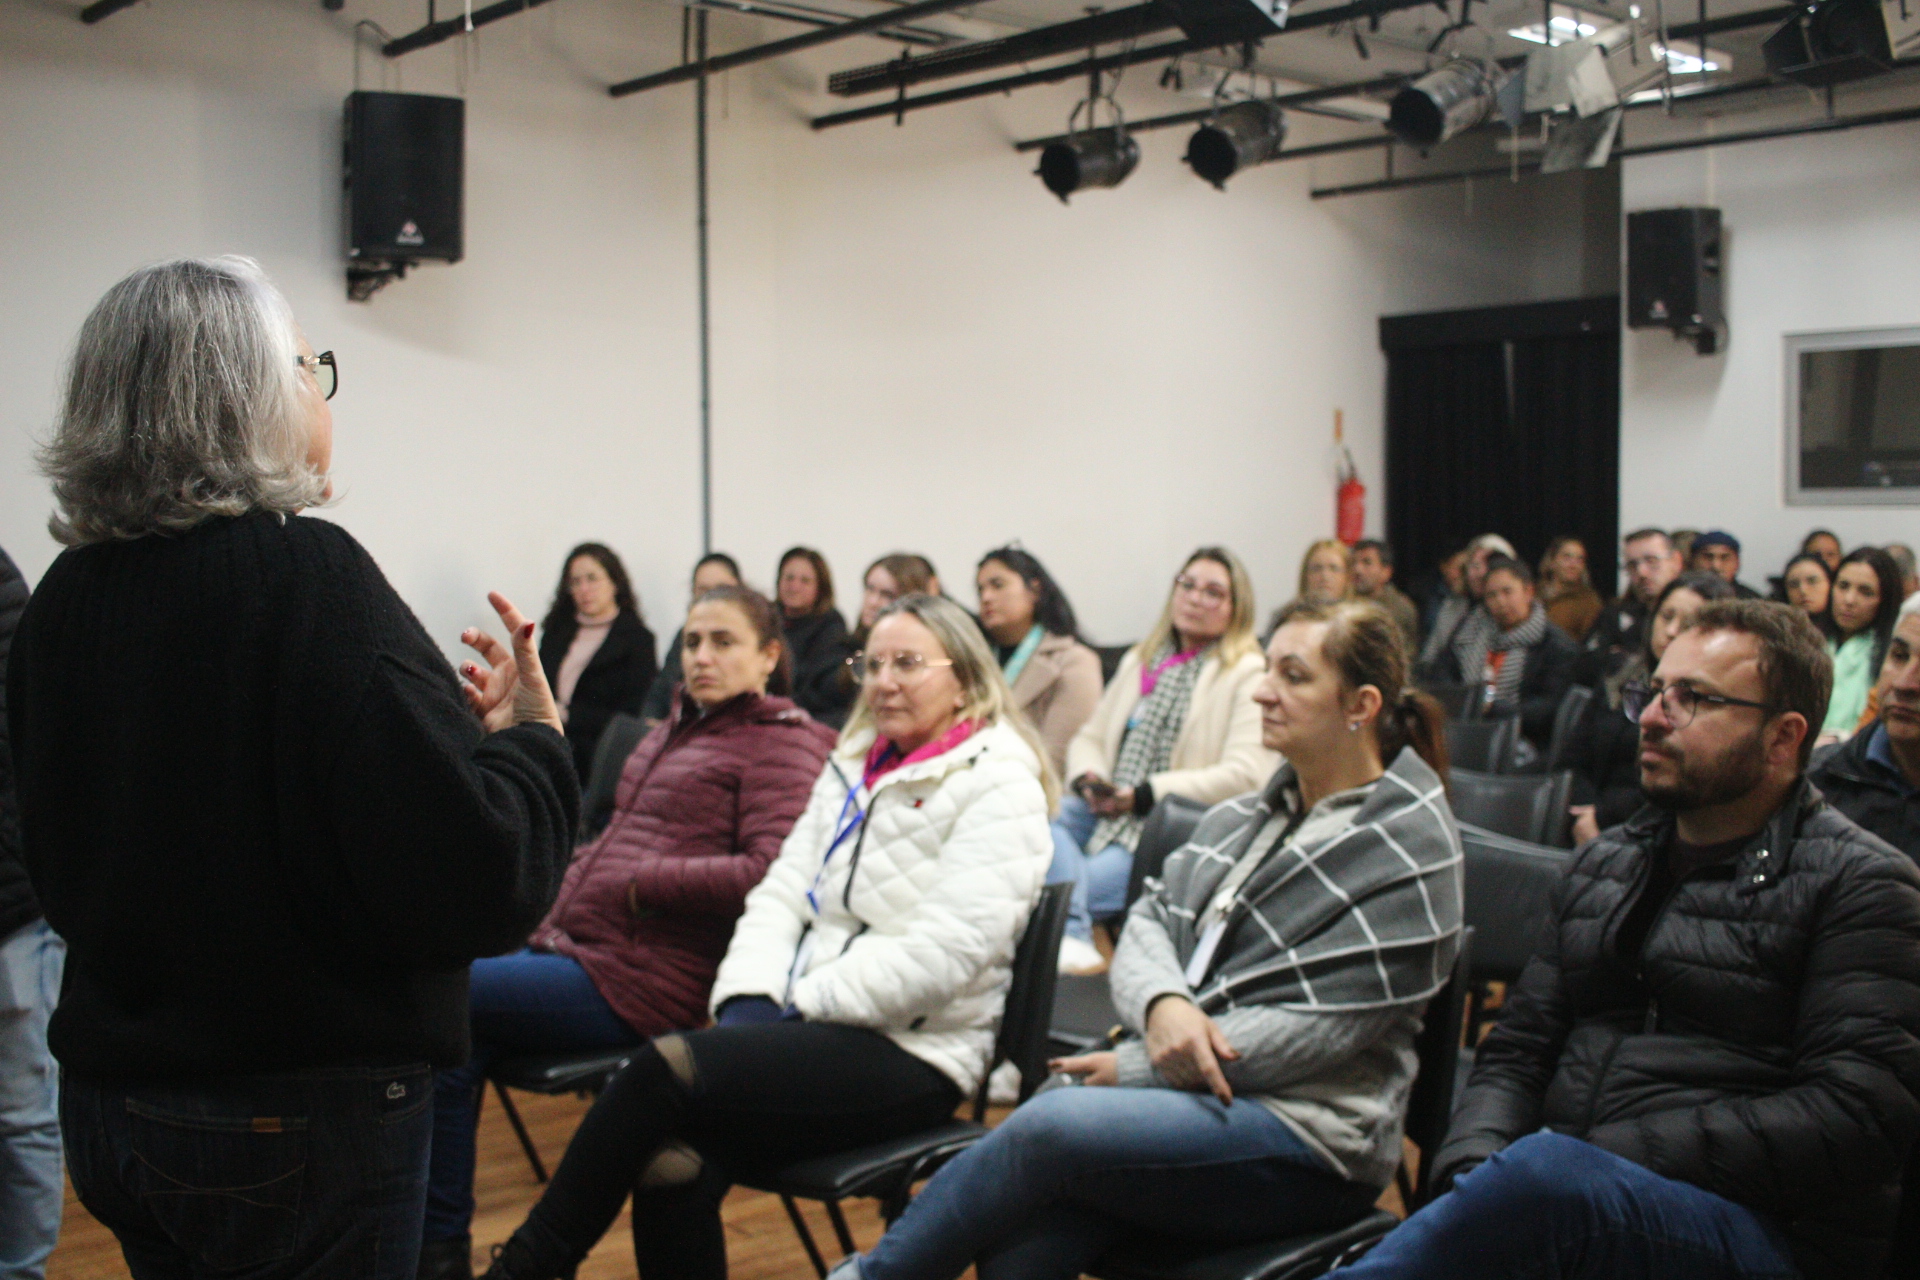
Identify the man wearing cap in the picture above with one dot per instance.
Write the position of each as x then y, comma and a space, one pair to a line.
1717, 551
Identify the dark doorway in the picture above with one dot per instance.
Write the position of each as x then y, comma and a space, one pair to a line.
1504, 420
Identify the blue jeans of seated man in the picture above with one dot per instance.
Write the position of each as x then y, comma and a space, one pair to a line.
1064, 1176
527, 1002
314, 1175
1553, 1206
1099, 881
31, 1192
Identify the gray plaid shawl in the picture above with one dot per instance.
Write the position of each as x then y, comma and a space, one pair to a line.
1366, 919
1147, 748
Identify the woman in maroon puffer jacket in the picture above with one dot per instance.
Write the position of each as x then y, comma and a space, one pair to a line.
646, 910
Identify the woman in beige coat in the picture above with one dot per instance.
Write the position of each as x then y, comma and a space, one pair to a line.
1055, 678
1178, 719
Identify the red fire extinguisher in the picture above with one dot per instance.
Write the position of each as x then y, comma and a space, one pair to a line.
1350, 496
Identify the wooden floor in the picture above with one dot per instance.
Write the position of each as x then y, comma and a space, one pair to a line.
761, 1244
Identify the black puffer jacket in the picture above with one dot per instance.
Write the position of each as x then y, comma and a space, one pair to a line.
1771, 1055
18, 906
1862, 790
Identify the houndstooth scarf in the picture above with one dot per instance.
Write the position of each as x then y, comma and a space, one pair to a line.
1476, 642
1147, 748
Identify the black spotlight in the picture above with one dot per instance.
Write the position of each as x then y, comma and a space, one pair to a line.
1244, 134
1100, 157
1831, 42
1441, 103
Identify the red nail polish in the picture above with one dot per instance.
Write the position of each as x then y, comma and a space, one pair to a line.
526, 631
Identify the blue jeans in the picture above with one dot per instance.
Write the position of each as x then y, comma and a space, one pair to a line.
527, 1002
1099, 880
319, 1175
31, 1194
1074, 1169
1552, 1206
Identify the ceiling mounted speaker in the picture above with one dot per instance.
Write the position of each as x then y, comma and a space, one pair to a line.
1441, 103
1218, 22
1100, 157
1246, 133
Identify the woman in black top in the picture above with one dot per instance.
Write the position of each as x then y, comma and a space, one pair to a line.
595, 648
256, 804
816, 635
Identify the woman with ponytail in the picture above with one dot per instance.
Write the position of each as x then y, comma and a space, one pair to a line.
1243, 1105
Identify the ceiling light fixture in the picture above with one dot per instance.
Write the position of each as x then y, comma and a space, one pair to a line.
1246, 133
1456, 96
1099, 156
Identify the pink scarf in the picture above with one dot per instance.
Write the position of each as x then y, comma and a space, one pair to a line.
1150, 676
884, 757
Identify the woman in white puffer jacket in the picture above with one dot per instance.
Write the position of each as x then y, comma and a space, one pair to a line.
860, 996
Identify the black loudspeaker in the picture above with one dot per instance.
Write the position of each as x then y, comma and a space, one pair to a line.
1831, 42
405, 177
1673, 274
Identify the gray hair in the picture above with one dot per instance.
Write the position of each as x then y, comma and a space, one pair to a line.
1902, 557
183, 403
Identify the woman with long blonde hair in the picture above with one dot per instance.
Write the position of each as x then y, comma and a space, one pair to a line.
1177, 719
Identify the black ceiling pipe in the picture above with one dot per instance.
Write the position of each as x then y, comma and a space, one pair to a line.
792, 44
447, 28
1028, 46
104, 9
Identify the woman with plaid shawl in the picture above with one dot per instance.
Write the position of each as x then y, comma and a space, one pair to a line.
1274, 981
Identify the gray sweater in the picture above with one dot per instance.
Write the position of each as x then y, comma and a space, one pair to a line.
1325, 1030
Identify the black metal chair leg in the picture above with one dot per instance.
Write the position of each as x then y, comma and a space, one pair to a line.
806, 1237
840, 1228
520, 1132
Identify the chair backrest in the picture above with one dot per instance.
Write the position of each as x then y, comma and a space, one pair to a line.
1430, 1104
1509, 884
1483, 745
1029, 1008
1522, 806
1169, 826
1573, 709
617, 742
1455, 699
1111, 656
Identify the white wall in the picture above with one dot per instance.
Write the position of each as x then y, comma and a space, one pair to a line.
1820, 234
916, 347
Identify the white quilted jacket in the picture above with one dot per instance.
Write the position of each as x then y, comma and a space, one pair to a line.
919, 912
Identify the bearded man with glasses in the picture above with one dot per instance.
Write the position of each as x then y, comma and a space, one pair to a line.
1711, 1068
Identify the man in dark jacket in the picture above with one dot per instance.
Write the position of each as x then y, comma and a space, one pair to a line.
1874, 776
31, 959
1712, 1067
1651, 562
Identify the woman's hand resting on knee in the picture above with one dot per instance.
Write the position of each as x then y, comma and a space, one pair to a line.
1187, 1047
1092, 1068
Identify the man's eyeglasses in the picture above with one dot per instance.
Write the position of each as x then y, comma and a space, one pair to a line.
907, 667
1205, 590
326, 374
1678, 702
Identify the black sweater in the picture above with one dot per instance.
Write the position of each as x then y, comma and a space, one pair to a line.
17, 905
615, 681
257, 808
819, 647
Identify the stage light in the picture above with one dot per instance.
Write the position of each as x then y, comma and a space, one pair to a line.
1831, 42
1246, 133
1441, 103
1101, 157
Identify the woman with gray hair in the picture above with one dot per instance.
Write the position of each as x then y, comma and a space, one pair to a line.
859, 998
271, 825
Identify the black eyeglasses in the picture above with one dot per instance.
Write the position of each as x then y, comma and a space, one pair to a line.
326, 374
1677, 701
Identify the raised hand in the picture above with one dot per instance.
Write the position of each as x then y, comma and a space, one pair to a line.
512, 688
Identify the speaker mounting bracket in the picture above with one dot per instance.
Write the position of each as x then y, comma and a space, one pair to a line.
364, 279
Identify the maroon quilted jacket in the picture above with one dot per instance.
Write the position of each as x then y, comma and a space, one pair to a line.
703, 806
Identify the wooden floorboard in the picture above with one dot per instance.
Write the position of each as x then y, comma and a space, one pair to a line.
761, 1244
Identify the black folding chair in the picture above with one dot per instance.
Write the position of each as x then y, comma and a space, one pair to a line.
1111, 656
617, 741
1566, 720
1521, 806
1169, 826
1455, 699
1429, 1108
887, 1171
1509, 885
1485, 746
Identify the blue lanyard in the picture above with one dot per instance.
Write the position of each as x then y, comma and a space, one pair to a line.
845, 826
